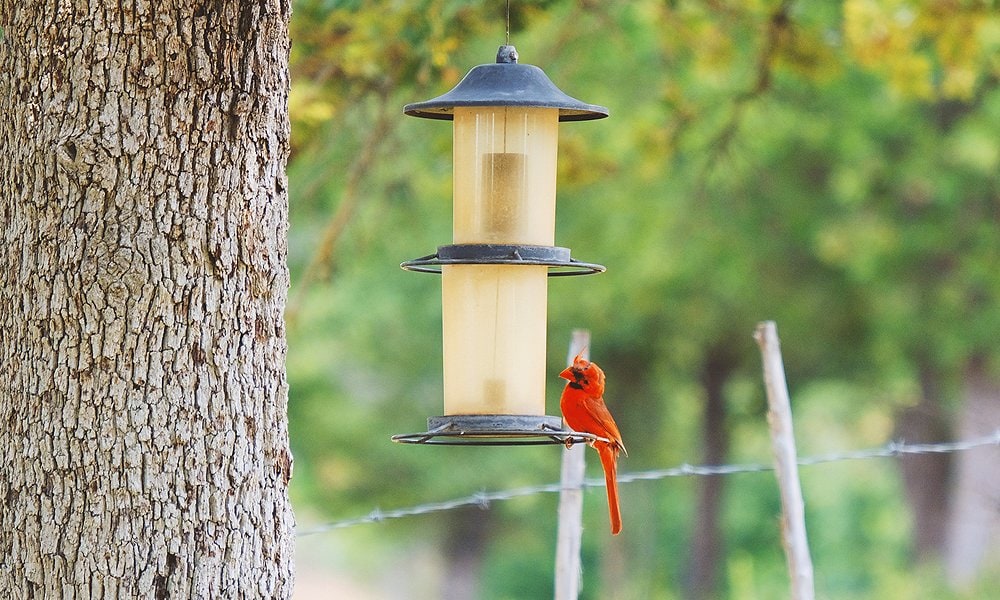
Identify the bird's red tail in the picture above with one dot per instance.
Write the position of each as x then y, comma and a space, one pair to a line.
609, 460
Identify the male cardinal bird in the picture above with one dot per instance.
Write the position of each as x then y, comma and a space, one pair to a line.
582, 405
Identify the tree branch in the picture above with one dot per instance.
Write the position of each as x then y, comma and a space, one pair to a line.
323, 258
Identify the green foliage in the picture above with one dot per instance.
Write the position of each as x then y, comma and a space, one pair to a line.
831, 166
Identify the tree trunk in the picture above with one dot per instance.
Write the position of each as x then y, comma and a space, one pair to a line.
707, 543
143, 430
973, 535
926, 477
465, 546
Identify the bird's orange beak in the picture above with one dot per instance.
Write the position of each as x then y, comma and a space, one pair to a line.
567, 374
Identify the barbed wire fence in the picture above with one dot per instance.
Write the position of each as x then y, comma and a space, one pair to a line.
483, 499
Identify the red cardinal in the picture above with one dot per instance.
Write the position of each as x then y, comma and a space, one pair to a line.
582, 405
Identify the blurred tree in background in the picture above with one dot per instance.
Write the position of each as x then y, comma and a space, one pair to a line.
830, 166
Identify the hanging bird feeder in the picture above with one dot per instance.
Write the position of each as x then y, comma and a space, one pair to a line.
494, 274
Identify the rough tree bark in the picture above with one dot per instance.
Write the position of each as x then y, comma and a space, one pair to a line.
143, 433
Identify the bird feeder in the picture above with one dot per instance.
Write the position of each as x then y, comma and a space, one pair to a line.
494, 274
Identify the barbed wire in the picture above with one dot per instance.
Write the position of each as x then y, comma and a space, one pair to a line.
483, 499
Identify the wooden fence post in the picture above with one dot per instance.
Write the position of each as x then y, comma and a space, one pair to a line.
570, 535
786, 469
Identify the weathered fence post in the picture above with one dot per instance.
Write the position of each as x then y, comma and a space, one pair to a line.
779, 417
570, 533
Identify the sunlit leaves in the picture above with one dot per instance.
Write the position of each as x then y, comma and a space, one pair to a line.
882, 35
925, 49
344, 52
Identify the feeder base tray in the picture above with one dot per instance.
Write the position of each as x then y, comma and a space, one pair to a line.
495, 430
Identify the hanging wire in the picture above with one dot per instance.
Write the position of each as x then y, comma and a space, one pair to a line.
508, 23
483, 499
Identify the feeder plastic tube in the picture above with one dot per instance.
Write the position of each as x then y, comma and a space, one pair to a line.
494, 316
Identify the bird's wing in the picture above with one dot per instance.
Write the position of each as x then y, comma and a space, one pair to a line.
598, 411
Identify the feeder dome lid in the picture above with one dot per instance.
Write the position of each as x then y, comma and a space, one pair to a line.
506, 83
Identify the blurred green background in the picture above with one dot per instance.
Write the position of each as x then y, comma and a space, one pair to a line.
831, 166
